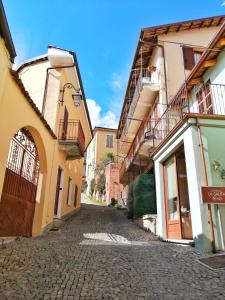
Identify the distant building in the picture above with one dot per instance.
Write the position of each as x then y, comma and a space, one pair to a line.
114, 188
104, 142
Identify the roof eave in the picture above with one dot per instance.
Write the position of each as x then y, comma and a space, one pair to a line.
4, 28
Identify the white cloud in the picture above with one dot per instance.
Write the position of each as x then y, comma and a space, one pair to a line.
116, 82
107, 119
223, 4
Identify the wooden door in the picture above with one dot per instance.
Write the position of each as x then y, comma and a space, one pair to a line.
58, 189
17, 203
172, 205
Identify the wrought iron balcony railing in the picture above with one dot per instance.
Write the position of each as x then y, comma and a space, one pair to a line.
141, 77
71, 138
204, 99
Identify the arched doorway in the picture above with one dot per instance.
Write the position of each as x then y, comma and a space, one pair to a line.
17, 203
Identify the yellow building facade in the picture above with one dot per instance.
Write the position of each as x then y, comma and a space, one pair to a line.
44, 137
103, 142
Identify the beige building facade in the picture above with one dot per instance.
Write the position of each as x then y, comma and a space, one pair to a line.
164, 57
174, 118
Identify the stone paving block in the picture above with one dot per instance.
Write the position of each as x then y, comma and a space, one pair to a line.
99, 254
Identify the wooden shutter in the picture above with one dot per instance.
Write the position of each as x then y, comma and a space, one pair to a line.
188, 55
65, 124
75, 195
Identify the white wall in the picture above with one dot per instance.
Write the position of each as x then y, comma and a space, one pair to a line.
188, 136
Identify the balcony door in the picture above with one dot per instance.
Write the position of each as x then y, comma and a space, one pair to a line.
58, 191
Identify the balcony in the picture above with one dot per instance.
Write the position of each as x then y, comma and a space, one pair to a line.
206, 99
71, 139
146, 86
140, 150
142, 147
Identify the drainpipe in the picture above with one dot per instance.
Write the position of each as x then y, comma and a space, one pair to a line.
163, 54
46, 82
210, 220
164, 63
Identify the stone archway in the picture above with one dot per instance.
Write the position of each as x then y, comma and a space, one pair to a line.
17, 205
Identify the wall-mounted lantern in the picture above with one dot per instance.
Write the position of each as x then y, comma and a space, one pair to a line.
77, 96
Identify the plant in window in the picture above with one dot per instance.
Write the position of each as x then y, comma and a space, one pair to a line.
109, 157
218, 167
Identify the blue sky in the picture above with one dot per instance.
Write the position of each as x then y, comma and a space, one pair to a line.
104, 35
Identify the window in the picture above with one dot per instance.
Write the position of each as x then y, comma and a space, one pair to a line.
197, 56
93, 144
69, 191
204, 98
109, 141
191, 57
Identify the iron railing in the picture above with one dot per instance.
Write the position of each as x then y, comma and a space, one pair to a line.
140, 137
71, 131
189, 101
138, 141
141, 77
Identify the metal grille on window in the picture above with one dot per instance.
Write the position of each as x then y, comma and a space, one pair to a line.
23, 156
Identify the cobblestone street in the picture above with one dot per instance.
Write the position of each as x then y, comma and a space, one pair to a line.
99, 254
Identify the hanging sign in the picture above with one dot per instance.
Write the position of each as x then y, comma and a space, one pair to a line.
213, 194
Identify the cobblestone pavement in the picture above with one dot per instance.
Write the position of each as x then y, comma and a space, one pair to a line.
99, 254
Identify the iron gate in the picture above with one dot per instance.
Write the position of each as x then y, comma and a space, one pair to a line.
20, 185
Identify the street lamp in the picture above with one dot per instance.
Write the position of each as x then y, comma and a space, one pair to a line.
77, 96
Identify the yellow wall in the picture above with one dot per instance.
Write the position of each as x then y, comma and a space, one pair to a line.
15, 113
101, 148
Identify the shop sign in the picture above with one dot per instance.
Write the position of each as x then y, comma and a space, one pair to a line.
213, 194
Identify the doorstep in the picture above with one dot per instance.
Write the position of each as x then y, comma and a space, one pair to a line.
7, 239
214, 262
181, 241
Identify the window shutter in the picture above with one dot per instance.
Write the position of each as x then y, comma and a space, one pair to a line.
65, 124
188, 54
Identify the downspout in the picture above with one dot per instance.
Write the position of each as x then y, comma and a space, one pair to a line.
46, 82
210, 220
165, 76
164, 63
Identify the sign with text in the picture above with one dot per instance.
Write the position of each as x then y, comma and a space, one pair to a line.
213, 194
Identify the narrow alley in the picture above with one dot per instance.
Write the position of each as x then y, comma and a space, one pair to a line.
108, 257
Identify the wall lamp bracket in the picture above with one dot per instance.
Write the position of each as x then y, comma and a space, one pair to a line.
77, 96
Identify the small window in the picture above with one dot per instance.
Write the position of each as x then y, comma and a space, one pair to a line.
188, 55
197, 56
69, 192
75, 195
109, 141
